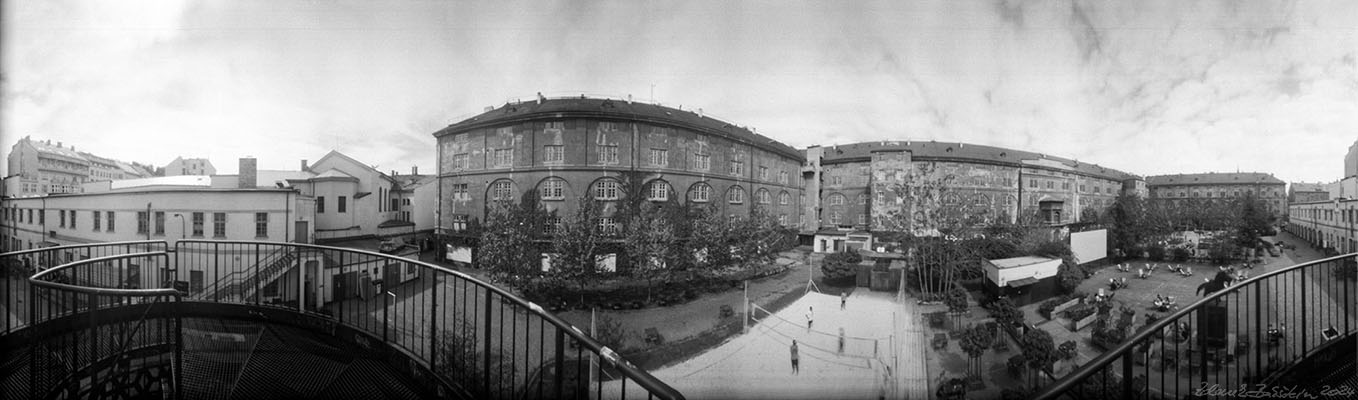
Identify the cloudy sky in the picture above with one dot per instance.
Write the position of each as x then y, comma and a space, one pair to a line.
1149, 87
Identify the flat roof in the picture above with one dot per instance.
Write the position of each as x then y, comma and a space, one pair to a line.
1019, 261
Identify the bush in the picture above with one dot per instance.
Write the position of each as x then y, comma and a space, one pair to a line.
841, 268
1069, 275
1156, 252
1080, 312
937, 319
1015, 365
1180, 254
1047, 306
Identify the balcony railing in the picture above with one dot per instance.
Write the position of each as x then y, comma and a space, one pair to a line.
1247, 334
464, 337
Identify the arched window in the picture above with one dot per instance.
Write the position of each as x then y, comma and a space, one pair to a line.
658, 191
700, 192
784, 198
763, 197
836, 199
552, 189
502, 191
736, 195
951, 200
607, 189
834, 217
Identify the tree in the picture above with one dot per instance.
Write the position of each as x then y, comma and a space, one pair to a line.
841, 267
975, 341
1039, 352
648, 239
508, 248
458, 353
577, 243
956, 299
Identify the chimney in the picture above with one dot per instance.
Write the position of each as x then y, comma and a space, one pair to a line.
247, 175
304, 165
414, 170
540, 98
629, 99
700, 112
490, 108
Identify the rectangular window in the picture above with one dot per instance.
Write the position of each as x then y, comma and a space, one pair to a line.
660, 191
197, 224
503, 158
502, 191
553, 153
110, 221
608, 154
261, 225
96, 220
835, 180
607, 126
608, 226
1032, 183
553, 190
396, 204
606, 190
460, 161
320, 204
72, 219
701, 162
551, 226
143, 222
862, 219
556, 125
1051, 185
782, 177
62, 214
737, 168
160, 223
782, 219
460, 192
341, 204
660, 157
1082, 188
218, 225
763, 173
42, 217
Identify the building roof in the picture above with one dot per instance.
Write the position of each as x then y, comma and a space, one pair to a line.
932, 150
1214, 178
580, 107
1309, 187
43, 147
176, 181
1019, 261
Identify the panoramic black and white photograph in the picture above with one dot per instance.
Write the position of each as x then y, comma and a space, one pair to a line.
601, 199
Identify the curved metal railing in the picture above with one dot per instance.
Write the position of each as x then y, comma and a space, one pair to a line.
93, 319
1241, 336
16, 267
475, 339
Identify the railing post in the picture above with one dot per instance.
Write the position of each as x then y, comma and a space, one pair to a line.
433, 329
386, 318
486, 352
1259, 339
178, 349
1127, 374
1304, 324
560, 360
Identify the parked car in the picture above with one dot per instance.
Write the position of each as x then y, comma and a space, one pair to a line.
388, 246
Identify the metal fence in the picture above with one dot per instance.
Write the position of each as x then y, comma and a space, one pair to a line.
1246, 334
475, 339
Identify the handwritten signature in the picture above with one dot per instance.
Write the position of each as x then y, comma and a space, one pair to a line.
1263, 391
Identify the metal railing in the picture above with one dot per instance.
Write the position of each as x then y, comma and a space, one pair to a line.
473, 339
16, 267
1244, 335
103, 320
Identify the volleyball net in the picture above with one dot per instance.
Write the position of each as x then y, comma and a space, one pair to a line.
857, 350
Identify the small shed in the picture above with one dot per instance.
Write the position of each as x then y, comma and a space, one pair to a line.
837, 240
1025, 280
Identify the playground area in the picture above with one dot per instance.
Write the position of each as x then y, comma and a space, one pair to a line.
757, 364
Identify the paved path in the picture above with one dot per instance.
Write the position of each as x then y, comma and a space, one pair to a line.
912, 350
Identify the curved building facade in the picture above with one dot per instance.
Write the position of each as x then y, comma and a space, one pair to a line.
564, 149
919, 186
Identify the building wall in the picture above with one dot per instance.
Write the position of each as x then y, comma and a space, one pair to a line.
190, 166
284, 208
1326, 224
587, 148
1273, 194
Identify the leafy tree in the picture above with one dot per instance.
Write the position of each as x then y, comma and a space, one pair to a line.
648, 239
713, 238
956, 300
841, 267
1069, 275
508, 249
1038, 351
975, 341
459, 354
577, 243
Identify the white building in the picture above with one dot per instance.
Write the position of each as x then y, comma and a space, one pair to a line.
190, 166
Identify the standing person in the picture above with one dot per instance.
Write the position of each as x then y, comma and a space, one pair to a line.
843, 298
795, 368
810, 317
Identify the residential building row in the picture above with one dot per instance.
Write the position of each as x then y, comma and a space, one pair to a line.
1329, 222
38, 167
337, 201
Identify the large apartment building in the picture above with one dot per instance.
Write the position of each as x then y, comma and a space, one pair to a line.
42, 167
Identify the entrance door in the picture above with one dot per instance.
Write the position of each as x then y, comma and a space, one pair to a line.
301, 235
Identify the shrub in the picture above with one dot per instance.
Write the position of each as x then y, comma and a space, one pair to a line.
1015, 365
1180, 254
937, 319
611, 333
1156, 252
1067, 349
841, 268
1047, 306
1080, 312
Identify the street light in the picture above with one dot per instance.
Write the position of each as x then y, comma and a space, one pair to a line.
182, 234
